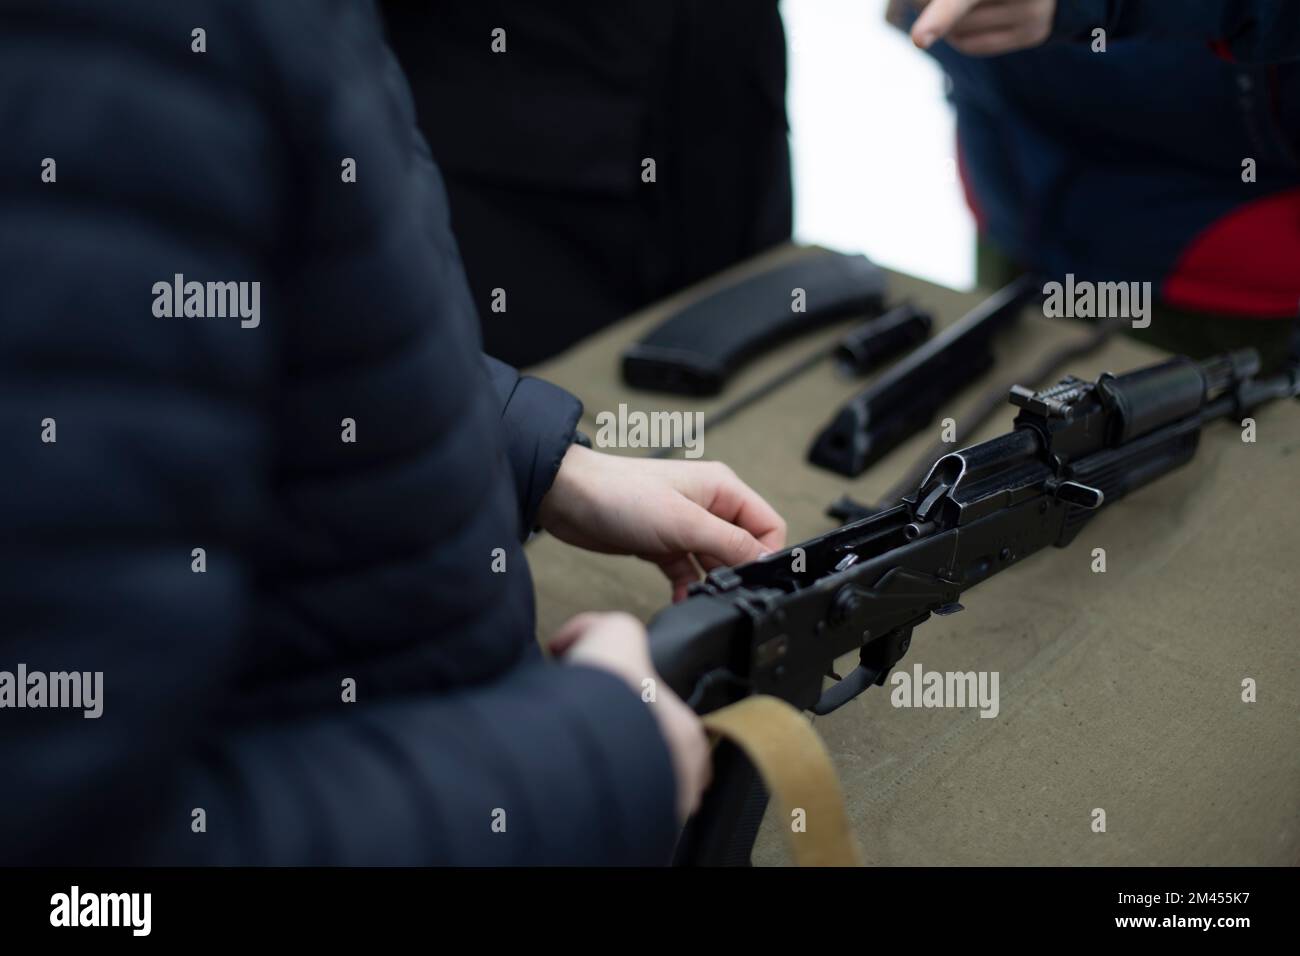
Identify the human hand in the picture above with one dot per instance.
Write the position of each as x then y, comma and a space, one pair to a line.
984, 27
671, 513
617, 643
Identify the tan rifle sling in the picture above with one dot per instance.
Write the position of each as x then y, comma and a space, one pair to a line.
797, 770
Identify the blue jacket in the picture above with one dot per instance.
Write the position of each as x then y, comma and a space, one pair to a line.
324, 560
1128, 164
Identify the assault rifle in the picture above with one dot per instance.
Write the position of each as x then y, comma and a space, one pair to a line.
776, 626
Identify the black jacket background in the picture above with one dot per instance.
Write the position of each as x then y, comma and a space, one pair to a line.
542, 148
325, 560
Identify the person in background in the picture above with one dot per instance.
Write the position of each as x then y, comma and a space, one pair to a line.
543, 116
1129, 140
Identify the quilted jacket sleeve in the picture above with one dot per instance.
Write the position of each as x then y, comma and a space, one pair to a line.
539, 420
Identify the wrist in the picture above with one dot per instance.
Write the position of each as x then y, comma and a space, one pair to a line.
564, 486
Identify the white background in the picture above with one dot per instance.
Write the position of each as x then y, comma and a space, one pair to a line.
873, 143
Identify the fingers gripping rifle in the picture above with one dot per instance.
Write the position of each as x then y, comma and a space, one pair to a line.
776, 626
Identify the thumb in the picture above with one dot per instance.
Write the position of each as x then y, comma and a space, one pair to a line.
937, 20
708, 536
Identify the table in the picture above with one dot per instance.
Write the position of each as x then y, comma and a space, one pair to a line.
1119, 690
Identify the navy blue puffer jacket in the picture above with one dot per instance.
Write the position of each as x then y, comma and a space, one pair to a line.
346, 459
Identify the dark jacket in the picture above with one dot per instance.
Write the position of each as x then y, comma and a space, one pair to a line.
542, 146
1127, 165
326, 560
